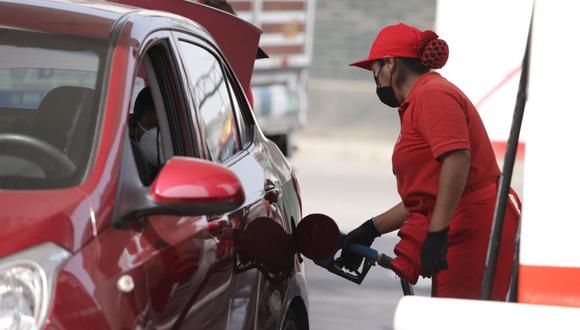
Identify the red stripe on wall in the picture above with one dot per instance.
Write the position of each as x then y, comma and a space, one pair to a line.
542, 285
500, 147
498, 86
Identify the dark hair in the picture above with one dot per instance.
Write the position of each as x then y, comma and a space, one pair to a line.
220, 4
143, 103
413, 64
409, 66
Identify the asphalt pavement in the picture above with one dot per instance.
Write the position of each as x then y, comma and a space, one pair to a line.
336, 303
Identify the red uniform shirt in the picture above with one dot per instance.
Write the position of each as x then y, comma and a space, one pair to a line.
437, 118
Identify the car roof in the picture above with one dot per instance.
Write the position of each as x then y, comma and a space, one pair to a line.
74, 17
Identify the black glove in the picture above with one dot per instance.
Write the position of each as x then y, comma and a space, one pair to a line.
434, 252
365, 234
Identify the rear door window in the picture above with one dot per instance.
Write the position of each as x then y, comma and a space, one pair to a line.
212, 100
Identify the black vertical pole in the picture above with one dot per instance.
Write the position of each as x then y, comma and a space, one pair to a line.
506, 175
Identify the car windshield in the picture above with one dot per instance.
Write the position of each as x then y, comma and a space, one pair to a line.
49, 88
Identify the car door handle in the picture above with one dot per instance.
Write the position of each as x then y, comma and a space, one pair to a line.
271, 192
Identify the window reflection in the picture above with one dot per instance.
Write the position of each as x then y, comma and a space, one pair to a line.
211, 98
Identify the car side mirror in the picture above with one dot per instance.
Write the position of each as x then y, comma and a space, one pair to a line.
187, 186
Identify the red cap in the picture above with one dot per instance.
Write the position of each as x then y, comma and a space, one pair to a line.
402, 40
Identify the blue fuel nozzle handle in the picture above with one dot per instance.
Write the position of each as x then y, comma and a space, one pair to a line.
363, 251
371, 256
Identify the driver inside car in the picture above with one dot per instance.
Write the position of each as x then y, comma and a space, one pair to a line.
144, 130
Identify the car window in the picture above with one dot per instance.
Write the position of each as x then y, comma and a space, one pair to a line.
212, 100
25, 88
154, 123
49, 88
244, 127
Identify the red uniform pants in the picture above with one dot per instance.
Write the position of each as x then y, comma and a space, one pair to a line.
469, 233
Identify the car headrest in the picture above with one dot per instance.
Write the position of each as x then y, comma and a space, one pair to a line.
61, 112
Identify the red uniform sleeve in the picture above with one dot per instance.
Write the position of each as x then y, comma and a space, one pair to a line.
441, 120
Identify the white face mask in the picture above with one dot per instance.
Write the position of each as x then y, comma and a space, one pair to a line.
152, 150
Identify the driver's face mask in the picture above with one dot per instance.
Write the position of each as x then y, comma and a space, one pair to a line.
149, 144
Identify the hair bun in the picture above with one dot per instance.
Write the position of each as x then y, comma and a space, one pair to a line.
435, 54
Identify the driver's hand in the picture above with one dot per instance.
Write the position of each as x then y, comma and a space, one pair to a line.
365, 234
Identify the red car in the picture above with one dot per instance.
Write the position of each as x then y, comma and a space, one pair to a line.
130, 164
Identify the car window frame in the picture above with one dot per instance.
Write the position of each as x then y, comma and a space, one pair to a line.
205, 46
201, 122
243, 107
189, 146
180, 139
231, 84
242, 101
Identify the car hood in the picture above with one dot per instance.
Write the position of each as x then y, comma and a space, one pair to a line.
29, 218
237, 38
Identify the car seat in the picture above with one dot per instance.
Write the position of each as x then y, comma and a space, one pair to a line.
64, 119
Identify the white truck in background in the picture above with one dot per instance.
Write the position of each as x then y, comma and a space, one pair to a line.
279, 82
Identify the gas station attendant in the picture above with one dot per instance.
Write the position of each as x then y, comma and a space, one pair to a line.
445, 168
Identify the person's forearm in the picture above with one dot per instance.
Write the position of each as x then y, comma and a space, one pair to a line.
454, 172
391, 219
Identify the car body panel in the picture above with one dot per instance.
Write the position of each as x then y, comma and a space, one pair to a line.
68, 210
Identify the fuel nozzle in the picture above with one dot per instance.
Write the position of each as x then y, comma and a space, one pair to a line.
370, 258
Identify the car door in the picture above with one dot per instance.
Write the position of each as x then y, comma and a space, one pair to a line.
230, 138
191, 274
155, 271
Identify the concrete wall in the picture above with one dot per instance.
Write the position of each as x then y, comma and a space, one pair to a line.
345, 29
343, 103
